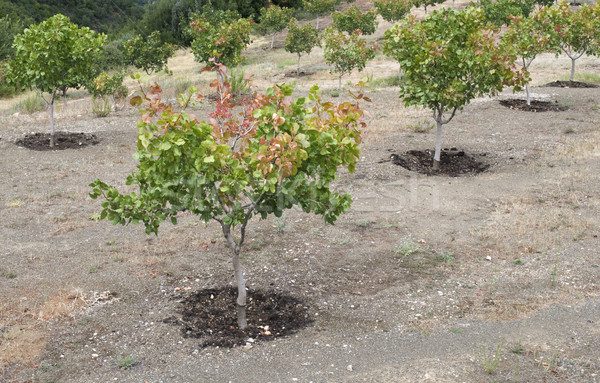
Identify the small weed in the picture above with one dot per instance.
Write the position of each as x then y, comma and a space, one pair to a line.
334, 93
344, 241
83, 322
518, 261
59, 219
93, 270
110, 241
364, 222
95, 217
117, 258
568, 130
447, 257
456, 330
555, 269
11, 275
279, 225
101, 106
238, 84
126, 362
14, 203
408, 248
518, 349
492, 360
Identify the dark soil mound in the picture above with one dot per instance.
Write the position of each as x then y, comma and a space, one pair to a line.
570, 84
536, 106
62, 141
303, 73
453, 162
211, 316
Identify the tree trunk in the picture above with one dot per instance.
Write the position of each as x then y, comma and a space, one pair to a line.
52, 119
400, 73
572, 70
438, 144
317, 23
298, 68
272, 40
340, 82
238, 274
528, 95
241, 287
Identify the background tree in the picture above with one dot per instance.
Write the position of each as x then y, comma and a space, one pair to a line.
393, 10
274, 19
573, 32
528, 37
220, 40
279, 153
427, 3
53, 55
354, 19
448, 59
9, 28
148, 53
103, 88
498, 12
320, 8
301, 40
346, 52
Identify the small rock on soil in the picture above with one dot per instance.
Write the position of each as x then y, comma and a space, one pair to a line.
211, 316
453, 162
62, 141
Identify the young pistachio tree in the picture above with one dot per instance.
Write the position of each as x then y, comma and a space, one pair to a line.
301, 40
346, 52
271, 154
53, 55
274, 19
393, 10
320, 8
220, 40
148, 53
448, 59
353, 19
499, 12
528, 37
573, 32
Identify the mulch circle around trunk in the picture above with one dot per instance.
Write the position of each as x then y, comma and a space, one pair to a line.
453, 162
535, 105
570, 84
303, 73
62, 141
211, 316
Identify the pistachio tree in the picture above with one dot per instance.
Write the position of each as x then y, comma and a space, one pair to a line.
346, 52
320, 8
449, 58
274, 19
353, 19
301, 40
219, 40
273, 153
393, 10
53, 55
528, 37
574, 32
148, 53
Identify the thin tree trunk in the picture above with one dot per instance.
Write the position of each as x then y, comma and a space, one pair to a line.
572, 70
438, 143
340, 82
298, 68
400, 73
241, 287
272, 40
52, 119
528, 95
317, 23
238, 274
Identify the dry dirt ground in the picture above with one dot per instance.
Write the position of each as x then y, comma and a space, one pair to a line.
485, 278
